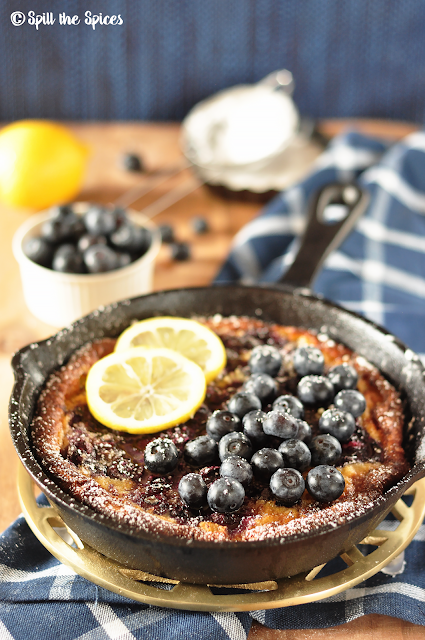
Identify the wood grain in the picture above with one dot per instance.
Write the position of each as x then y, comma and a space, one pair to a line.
158, 144
371, 627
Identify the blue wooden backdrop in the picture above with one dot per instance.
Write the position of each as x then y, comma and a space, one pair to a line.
349, 57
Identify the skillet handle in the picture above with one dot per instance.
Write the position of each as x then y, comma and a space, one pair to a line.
322, 235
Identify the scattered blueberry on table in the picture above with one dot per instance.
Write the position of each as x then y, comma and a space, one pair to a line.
102, 239
180, 251
167, 233
132, 162
200, 225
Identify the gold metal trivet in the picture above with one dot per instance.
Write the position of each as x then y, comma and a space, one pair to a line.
300, 589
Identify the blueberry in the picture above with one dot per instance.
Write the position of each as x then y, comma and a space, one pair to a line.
343, 376
243, 402
339, 424
193, 490
51, 230
289, 404
62, 211
265, 462
201, 451
295, 454
200, 225
180, 251
100, 221
132, 238
350, 400
225, 495
280, 424
325, 483
67, 260
237, 468
222, 422
308, 360
141, 242
304, 431
124, 259
253, 428
325, 449
262, 385
99, 259
88, 240
66, 224
167, 233
39, 250
235, 444
56, 230
120, 216
161, 456
315, 390
74, 227
265, 359
132, 162
287, 485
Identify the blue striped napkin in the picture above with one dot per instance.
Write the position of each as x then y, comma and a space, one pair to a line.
378, 271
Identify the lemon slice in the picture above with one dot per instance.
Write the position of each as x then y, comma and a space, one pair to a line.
144, 390
190, 338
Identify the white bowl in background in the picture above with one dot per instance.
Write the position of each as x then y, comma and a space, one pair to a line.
60, 298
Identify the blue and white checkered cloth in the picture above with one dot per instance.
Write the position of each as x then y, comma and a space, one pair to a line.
378, 271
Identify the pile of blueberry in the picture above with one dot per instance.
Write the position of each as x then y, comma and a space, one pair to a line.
276, 446
101, 239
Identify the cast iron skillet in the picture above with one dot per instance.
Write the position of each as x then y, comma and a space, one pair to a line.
230, 562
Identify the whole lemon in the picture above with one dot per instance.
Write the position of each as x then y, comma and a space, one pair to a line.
41, 163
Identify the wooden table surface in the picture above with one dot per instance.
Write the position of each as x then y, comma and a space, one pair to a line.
158, 144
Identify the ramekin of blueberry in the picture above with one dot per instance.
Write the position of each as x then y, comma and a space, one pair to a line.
75, 258
272, 448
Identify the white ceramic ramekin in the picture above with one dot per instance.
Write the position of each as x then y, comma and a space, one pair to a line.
60, 298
